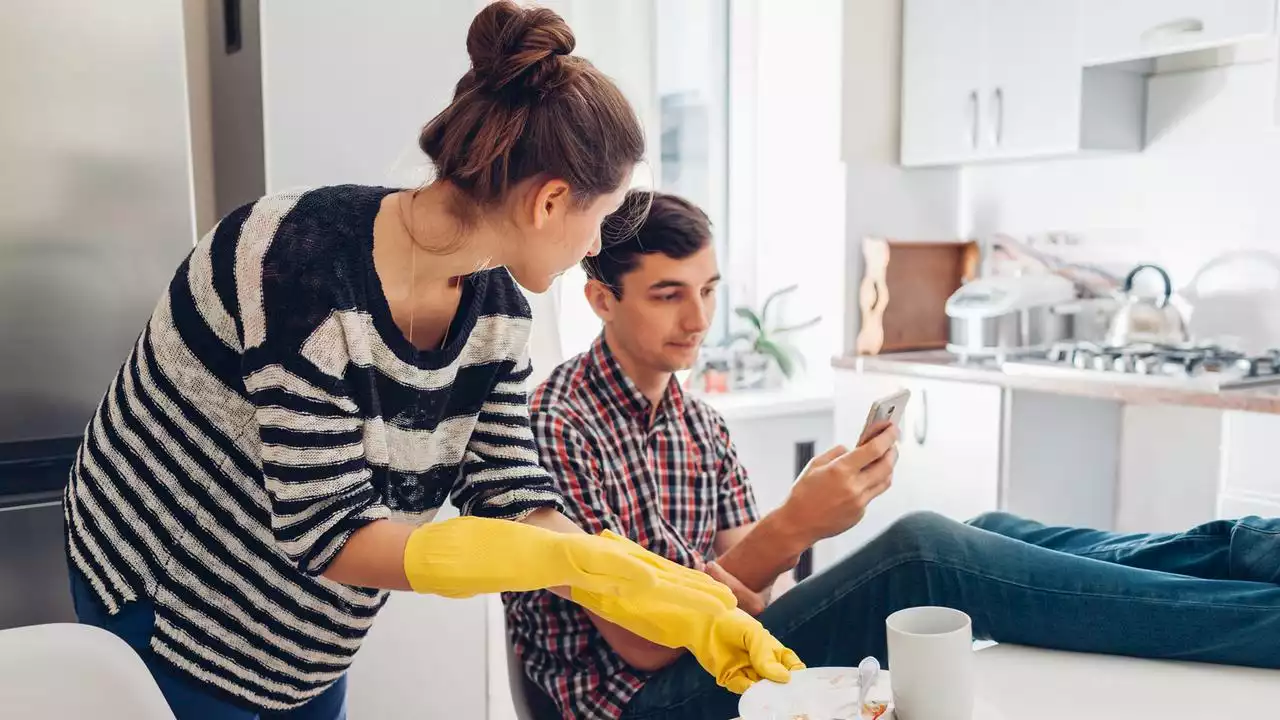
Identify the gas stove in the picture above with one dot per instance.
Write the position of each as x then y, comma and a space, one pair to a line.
1201, 367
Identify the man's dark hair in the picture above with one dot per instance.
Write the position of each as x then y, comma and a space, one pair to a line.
647, 222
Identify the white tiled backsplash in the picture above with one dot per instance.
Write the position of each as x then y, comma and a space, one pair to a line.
1206, 187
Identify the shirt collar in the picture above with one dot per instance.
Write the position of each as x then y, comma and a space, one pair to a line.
612, 383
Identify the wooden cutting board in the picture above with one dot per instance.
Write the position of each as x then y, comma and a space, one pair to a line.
904, 291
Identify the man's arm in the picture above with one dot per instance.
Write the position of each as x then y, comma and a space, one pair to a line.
563, 452
829, 497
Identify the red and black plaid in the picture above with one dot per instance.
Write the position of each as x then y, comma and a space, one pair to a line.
670, 485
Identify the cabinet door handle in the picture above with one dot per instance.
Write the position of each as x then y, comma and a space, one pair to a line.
997, 98
973, 118
920, 428
1181, 26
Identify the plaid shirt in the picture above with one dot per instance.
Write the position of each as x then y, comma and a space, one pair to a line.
669, 485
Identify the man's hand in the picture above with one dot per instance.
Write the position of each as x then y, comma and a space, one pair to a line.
752, 603
833, 492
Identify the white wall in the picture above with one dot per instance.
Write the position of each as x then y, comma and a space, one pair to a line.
1207, 184
766, 448
881, 198
796, 205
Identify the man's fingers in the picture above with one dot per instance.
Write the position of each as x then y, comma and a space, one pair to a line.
830, 455
748, 600
870, 451
878, 477
872, 492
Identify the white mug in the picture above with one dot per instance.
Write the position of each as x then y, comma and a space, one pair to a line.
931, 663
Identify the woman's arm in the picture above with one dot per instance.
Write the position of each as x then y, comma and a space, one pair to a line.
636, 651
374, 557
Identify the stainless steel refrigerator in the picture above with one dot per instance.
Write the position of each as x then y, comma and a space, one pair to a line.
97, 208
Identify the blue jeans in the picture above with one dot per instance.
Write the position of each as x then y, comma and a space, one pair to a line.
186, 696
1209, 594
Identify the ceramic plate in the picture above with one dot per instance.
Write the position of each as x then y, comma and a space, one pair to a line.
827, 693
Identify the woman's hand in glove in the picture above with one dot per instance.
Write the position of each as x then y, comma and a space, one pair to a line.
728, 643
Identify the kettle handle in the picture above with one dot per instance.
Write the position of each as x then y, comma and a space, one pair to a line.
1168, 283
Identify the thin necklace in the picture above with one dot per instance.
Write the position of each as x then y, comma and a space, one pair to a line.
413, 275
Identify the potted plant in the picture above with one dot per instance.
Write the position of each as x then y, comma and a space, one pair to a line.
767, 346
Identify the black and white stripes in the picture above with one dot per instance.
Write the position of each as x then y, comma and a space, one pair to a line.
271, 408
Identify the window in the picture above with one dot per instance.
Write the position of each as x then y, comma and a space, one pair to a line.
671, 58
691, 57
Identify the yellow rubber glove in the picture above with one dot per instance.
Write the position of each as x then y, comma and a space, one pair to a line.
728, 643
469, 556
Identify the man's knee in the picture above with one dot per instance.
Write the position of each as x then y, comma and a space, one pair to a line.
993, 520
919, 532
922, 523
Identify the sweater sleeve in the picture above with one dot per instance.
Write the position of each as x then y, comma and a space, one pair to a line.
313, 460
501, 476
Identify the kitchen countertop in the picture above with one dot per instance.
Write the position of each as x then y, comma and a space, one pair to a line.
941, 365
758, 404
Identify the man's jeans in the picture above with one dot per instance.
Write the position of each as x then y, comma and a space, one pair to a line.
1209, 594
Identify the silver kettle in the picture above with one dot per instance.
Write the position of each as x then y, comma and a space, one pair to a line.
1147, 320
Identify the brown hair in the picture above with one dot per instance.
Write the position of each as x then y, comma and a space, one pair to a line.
528, 108
668, 224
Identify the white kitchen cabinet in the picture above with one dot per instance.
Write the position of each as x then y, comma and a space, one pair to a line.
950, 452
766, 447
425, 656
943, 80
1232, 506
1033, 91
1002, 79
1112, 31
1169, 469
1248, 454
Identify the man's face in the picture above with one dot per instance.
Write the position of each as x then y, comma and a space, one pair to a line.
665, 309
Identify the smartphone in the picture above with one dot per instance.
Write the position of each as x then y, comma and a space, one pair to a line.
887, 409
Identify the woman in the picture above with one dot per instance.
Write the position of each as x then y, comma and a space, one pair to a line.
327, 366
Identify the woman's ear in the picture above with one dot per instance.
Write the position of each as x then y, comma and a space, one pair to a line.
551, 202
600, 298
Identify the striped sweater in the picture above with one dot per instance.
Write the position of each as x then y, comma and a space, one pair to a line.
270, 408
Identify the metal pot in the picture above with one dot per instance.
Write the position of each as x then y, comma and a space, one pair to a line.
1147, 320
1018, 331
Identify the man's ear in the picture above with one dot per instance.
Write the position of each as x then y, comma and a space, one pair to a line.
601, 299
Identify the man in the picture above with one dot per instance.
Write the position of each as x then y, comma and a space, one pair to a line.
634, 454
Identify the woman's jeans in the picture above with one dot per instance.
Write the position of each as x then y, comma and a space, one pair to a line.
187, 697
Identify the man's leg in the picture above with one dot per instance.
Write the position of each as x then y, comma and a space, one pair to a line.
1244, 549
1014, 591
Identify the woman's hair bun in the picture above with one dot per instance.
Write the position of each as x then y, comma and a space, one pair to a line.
515, 49
526, 108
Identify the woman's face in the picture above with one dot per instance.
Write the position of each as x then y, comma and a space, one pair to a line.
558, 234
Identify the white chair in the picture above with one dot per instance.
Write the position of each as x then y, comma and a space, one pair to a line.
68, 671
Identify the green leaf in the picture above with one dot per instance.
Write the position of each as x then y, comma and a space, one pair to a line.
785, 362
800, 326
768, 301
795, 354
749, 315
